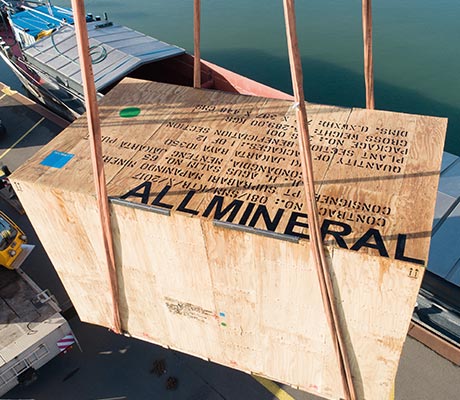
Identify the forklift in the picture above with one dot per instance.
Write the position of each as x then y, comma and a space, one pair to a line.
13, 241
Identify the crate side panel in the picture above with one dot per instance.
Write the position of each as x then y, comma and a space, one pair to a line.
252, 301
67, 225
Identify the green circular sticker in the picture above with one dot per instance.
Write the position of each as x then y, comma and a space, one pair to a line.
130, 112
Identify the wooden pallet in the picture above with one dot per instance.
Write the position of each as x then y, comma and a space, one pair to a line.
211, 235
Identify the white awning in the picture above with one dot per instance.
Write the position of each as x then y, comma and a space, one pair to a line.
115, 50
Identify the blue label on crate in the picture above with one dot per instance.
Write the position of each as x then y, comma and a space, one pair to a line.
57, 159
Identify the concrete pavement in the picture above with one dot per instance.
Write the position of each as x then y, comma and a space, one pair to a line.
116, 367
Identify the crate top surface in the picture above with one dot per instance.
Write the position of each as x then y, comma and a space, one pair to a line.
234, 158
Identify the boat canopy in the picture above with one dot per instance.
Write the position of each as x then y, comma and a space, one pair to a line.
36, 20
115, 50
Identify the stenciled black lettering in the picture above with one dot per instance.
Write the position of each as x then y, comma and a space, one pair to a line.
247, 214
338, 235
294, 222
183, 205
378, 245
261, 211
400, 247
217, 202
142, 191
157, 201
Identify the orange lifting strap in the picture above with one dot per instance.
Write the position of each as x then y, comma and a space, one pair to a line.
324, 277
305, 153
94, 128
321, 263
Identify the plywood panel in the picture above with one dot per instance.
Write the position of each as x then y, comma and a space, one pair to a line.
70, 220
211, 234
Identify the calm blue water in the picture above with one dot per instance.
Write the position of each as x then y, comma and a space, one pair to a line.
416, 47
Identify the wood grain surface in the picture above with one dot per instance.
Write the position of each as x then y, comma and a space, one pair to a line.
211, 232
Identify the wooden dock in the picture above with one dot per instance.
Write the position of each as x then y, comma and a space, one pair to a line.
211, 234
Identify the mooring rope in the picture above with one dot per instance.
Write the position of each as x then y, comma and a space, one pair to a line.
368, 59
196, 44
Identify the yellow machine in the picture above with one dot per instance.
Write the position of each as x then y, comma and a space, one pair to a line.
11, 240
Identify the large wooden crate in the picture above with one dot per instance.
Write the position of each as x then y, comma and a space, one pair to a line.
211, 235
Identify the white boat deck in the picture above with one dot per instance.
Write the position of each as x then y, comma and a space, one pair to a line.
116, 50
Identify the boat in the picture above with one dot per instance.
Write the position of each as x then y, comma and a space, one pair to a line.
48, 55
38, 43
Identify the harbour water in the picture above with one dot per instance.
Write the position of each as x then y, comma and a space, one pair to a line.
416, 47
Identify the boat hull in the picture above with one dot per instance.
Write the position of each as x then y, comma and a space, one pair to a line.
39, 92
